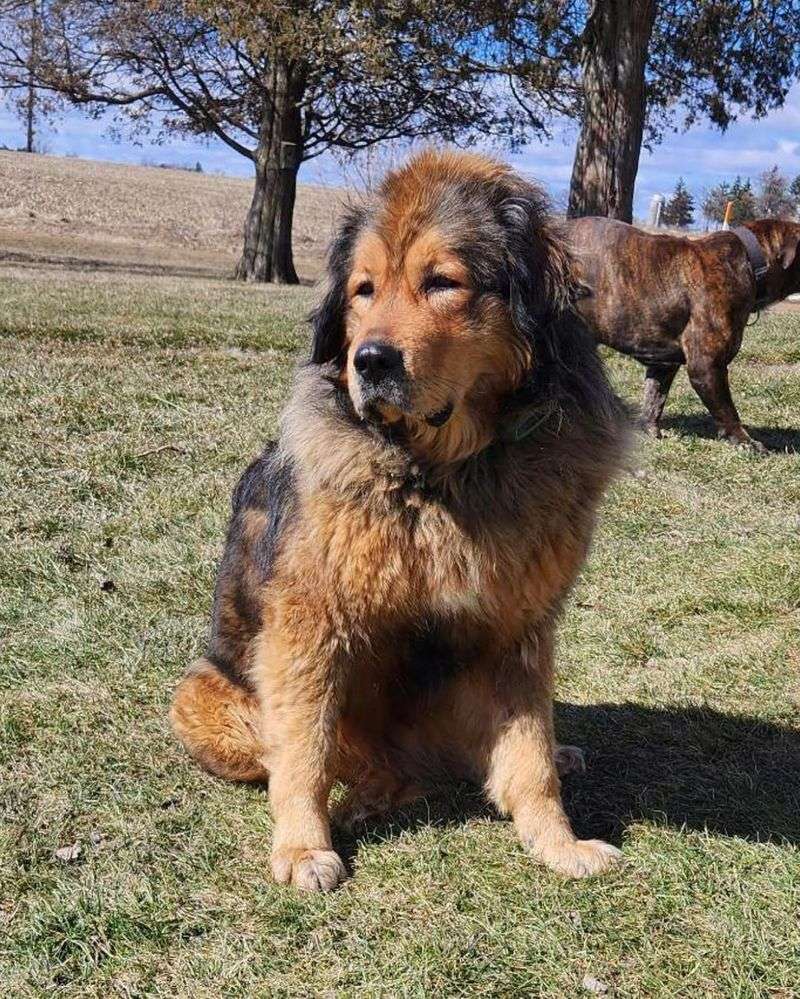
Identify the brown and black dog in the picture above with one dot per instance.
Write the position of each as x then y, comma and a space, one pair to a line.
671, 300
395, 565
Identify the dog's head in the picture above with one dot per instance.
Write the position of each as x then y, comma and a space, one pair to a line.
780, 240
441, 298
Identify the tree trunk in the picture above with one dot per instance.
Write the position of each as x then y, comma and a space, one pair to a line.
30, 114
30, 104
267, 254
615, 45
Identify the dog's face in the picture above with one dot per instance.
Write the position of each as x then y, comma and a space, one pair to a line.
436, 298
420, 338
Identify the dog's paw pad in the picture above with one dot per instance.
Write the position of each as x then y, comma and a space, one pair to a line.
309, 870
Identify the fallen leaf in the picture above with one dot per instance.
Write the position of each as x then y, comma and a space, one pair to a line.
68, 854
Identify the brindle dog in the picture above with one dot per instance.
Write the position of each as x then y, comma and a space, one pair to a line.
670, 300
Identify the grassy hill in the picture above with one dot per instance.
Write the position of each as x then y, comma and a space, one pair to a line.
111, 215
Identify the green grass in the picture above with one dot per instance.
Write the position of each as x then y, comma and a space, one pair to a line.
128, 407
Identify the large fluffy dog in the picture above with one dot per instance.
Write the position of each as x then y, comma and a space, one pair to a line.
669, 300
395, 564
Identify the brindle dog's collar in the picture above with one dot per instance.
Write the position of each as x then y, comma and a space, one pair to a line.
756, 259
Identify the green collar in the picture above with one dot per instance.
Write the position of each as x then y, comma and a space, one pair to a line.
524, 422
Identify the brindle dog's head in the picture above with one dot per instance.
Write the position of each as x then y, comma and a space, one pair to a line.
780, 240
790, 258
440, 300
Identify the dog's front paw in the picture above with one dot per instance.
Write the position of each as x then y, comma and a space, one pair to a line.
578, 858
308, 870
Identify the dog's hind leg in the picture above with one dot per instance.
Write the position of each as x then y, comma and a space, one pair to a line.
217, 722
710, 381
374, 795
657, 382
707, 358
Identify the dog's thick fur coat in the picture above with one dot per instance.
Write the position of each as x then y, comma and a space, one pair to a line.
385, 608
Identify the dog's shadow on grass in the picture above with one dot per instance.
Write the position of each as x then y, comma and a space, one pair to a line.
689, 767
777, 439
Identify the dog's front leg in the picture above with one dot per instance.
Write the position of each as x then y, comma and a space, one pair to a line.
299, 696
522, 777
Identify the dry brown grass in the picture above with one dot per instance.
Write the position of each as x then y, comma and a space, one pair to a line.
80, 211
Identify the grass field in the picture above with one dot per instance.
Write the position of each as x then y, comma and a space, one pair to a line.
129, 403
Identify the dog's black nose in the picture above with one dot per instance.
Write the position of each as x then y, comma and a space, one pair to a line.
375, 360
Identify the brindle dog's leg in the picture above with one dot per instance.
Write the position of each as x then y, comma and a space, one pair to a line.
709, 378
657, 381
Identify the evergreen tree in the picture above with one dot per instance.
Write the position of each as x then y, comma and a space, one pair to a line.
715, 202
794, 190
679, 210
744, 201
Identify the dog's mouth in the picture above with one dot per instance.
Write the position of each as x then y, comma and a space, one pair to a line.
379, 412
391, 404
440, 417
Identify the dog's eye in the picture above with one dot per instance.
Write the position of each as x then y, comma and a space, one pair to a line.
365, 289
439, 282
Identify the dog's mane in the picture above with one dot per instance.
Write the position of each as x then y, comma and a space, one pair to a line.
575, 439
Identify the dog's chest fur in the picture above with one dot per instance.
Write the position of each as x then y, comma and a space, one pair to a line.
390, 552
391, 548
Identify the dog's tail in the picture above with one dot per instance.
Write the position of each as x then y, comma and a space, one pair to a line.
217, 722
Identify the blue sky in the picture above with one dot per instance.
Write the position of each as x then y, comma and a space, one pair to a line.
702, 156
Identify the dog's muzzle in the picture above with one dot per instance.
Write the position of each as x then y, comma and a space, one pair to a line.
381, 374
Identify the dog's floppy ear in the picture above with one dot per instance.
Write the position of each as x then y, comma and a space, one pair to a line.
542, 291
327, 319
791, 247
540, 283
